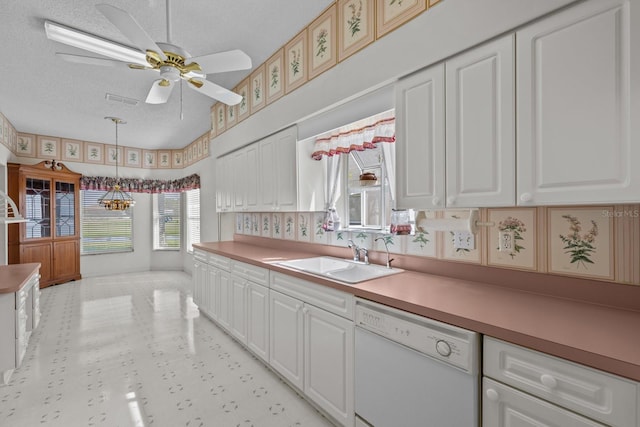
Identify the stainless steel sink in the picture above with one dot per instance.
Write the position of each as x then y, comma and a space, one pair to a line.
342, 270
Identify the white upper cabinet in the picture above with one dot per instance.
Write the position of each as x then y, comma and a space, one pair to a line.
470, 162
224, 188
420, 147
577, 92
480, 126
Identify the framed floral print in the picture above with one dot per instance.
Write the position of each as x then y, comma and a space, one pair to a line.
519, 227
164, 159
113, 155
13, 139
48, 147
177, 159
132, 157
149, 159
200, 144
295, 59
433, 2
206, 140
71, 150
322, 42
243, 107
185, 157
257, 92
213, 120
26, 145
355, 26
232, 113
580, 241
391, 14
93, 152
274, 75
221, 117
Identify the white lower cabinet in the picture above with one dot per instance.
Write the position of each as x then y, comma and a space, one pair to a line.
237, 308
328, 362
523, 388
312, 342
504, 406
286, 337
258, 320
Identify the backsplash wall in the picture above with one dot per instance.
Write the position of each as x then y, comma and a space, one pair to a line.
592, 242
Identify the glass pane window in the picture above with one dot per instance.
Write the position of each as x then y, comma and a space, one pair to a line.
38, 208
193, 218
65, 209
103, 231
166, 221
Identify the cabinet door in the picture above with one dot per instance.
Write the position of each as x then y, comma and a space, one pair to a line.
214, 291
251, 177
42, 253
222, 184
503, 406
576, 143
224, 314
196, 282
285, 169
238, 311
239, 184
267, 173
66, 259
420, 145
258, 320
286, 337
480, 129
65, 208
328, 362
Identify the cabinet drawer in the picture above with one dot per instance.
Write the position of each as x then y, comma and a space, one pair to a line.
200, 256
332, 300
221, 262
505, 406
595, 394
250, 272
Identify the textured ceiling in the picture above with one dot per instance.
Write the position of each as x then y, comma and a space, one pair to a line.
42, 94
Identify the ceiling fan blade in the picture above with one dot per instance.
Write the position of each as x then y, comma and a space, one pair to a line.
221, 62
91, 60
130, 28
214, 91
80, 39
160, 92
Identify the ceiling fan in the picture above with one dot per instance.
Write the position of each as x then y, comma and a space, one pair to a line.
171, 61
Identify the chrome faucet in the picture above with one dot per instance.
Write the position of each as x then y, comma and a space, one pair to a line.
386, 246
357, 251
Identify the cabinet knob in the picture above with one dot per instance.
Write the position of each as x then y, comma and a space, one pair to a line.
435, 201
548, 381
526, 197
492, 395
451, 200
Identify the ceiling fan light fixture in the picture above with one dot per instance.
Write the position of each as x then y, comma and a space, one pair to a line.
81, 40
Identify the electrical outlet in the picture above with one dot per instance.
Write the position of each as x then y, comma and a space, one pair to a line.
463, 240
505, 241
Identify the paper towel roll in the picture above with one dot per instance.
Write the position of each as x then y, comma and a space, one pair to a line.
448, 224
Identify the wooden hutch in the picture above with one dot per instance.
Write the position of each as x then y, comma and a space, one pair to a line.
47, 195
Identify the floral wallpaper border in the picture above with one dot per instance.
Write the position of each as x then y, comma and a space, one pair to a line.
342, 29
133, 185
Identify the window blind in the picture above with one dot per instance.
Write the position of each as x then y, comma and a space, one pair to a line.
103, 231
166, 221
193, 218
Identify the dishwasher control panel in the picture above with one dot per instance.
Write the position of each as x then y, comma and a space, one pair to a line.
451, 344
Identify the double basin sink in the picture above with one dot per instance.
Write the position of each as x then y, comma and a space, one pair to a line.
342, 270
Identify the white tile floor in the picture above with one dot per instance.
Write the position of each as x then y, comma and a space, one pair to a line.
134, 351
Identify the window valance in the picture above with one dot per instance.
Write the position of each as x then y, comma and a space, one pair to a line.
135, 185
358, 136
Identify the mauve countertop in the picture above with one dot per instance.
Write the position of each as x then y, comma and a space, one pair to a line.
599, 336
15, 276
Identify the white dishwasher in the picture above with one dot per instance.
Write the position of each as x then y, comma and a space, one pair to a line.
412, 371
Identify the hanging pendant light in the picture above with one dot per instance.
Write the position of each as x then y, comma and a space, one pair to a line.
115, 199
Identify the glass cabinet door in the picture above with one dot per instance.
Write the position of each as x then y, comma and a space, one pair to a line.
65, 209
38, 208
